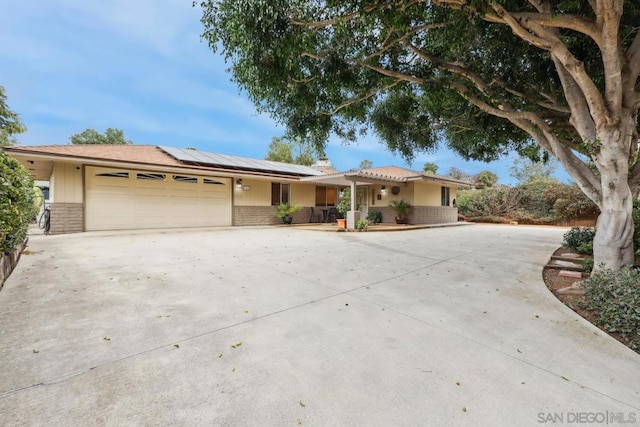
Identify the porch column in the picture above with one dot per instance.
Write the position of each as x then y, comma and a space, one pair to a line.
353, 215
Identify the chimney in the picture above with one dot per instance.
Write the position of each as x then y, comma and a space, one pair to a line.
323, 165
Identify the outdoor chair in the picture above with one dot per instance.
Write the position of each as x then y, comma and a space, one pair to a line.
333, 214
313, 217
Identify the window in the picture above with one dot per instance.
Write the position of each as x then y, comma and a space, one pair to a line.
445, 196
114, 174
211, 181
325, 196
184, 178
151, 176
280, 193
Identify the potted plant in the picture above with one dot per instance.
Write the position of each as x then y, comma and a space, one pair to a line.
374, 216
401, 208
284, 211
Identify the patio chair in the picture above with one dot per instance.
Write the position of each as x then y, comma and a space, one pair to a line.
313, 216
333, 214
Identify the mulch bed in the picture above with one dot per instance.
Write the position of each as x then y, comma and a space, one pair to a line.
554, 281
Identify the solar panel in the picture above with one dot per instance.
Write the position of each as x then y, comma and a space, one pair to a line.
236, 162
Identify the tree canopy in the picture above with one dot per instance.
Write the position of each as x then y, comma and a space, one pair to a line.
365, 164
430, 167
281, 150
540, 77
485, 179
10, 123
525, 170
92, 137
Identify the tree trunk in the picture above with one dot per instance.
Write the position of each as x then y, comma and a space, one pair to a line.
613, 243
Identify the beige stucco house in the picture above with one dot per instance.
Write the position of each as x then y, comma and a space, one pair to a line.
128, 187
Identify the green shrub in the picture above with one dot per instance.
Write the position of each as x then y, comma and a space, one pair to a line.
578, 236
587, 264
636, 222
585, 248
569, 202
17, 204
362, 224
615, 298
375, 217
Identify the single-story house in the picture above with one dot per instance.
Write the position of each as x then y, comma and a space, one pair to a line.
127, 187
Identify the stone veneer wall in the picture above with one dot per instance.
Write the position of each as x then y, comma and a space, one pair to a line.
265, 215
67, 218
433, 215
421, 214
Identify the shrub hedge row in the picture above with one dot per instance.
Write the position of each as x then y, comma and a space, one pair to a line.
17, 207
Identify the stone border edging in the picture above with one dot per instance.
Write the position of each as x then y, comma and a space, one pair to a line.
9, 260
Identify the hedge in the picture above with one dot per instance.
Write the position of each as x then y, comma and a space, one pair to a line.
17, 207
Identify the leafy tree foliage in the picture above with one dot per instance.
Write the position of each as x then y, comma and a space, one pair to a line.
10, 123
92, 137
365, 164
485, 179
430, 167
460, 175
526, 170
542, 78
281, 150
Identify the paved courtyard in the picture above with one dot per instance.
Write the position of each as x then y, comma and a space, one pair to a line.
284, 326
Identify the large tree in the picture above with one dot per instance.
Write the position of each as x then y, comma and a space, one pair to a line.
541, 77
92, 137
10, 123
281, 150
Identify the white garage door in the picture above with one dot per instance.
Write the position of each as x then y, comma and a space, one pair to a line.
121, 199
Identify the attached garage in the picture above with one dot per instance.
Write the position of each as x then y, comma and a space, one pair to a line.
125, 199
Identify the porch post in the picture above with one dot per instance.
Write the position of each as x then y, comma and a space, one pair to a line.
353, 215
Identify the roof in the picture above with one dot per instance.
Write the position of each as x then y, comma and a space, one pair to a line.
165, 157
198, 157
381, 174
142, 154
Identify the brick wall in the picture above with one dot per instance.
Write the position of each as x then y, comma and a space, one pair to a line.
265, 215
67, 218
421, 214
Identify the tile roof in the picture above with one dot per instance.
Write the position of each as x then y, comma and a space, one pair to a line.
384, 174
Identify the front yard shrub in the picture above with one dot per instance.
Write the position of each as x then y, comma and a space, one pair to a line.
636, 222
614, 296
585, 248
578, 236
375, 217
17, 202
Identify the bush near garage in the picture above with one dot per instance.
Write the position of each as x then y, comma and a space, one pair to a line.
17, 202
614, 296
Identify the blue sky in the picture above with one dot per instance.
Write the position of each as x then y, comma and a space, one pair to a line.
140, 66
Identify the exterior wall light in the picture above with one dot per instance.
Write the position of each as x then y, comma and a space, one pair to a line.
383, 190
239, 183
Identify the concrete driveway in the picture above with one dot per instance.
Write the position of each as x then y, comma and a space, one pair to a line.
282, 326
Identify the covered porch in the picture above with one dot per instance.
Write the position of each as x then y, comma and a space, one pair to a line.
432, 197
367, 187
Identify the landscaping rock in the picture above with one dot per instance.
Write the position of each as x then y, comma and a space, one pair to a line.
569, 273
576, 288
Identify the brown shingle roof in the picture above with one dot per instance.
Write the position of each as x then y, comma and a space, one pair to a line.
135, 154
142, 154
